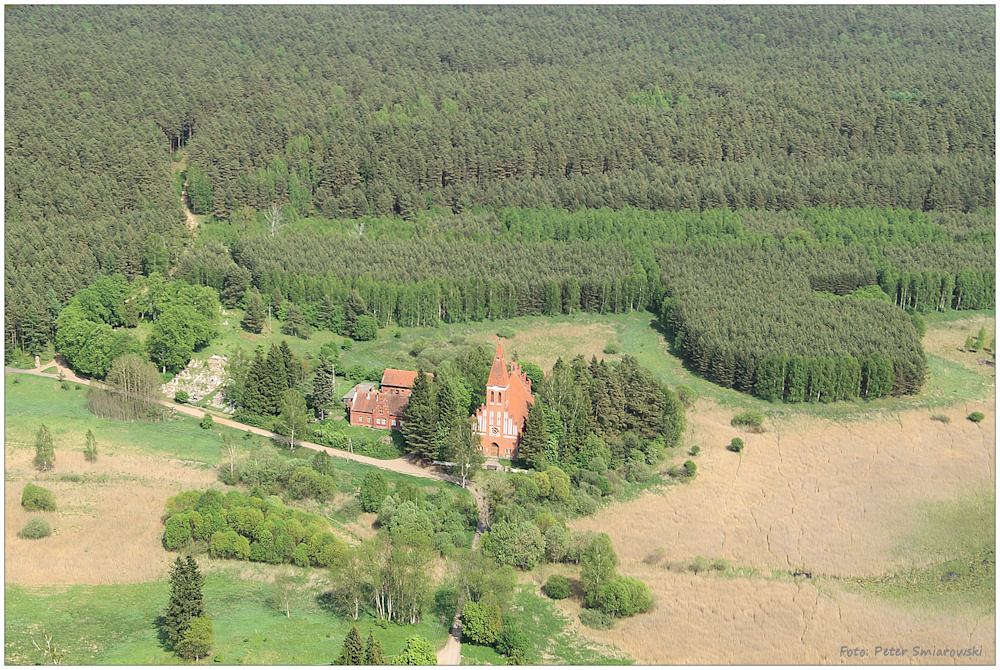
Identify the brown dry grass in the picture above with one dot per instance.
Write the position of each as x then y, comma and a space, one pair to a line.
707, 620
830, 498
810, 493
105, 532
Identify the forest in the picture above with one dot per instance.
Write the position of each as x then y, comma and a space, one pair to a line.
453, 164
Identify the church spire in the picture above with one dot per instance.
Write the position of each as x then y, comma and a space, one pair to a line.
498, 373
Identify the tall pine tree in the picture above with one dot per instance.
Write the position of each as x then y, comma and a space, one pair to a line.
256, 314
322, 395
421, 420
186, 601
353, 651
535, 438
373, 650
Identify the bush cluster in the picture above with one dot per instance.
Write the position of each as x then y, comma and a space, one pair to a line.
37, 498
35, 528
441, 520
557, 587
486, 625
242, 527
751, 419
267, 470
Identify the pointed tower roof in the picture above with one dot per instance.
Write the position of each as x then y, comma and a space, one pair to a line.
498, 373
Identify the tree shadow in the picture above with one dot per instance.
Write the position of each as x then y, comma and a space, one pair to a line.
160, 622
656, 325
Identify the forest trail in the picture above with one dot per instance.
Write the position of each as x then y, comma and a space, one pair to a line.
192, 222
451, 653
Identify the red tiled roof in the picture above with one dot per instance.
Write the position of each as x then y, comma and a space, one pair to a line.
400, 378
498, 373
368, 403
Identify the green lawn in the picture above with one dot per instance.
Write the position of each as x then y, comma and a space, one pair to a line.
37, 400
113, 625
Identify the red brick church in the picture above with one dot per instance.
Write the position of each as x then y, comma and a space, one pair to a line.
500, 421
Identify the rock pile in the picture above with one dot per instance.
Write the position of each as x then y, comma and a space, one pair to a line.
199, 379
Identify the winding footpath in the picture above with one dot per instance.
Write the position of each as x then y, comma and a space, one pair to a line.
451, 653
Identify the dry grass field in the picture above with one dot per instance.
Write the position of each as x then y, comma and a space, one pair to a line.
809, 493
105, 528
830, 498
705, 620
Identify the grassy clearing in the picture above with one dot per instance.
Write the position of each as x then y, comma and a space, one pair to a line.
110, 625
37, 400
952, 550
553, 640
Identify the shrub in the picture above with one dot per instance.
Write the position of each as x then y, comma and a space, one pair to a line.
690, 469
513, 640
374, 490
720, 564
695, 450
35, 529
206, 422
736, 445
686, 395
943, 418
699, 564
181, 396
976, 417
37, 499
611, 348
365, 328
751, 419
597, 620
636, 471
506, 332
178, 532
481, 624
557, 587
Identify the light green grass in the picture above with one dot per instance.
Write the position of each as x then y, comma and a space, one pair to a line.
552, 640
111, 625
951, 552
37, 400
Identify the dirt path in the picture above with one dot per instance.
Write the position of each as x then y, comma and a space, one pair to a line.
451, 653
401, 465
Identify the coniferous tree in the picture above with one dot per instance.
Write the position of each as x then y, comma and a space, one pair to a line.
420, 429
373, 651
254, 398
449, 419
293, 364
354, 308
275, 381
322, 390
353, 651
256, 313
535, 438
45, 453
186, 600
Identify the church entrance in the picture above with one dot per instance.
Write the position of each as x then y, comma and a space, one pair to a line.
494, 449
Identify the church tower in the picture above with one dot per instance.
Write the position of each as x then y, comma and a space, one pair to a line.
500, 420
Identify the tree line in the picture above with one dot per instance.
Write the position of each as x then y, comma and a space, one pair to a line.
758, 321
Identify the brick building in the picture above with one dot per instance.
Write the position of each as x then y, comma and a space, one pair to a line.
382, 408
500, 421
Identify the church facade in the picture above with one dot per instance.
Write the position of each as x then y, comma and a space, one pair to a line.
500, 420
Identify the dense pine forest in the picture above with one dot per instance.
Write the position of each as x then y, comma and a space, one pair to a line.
777, 183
